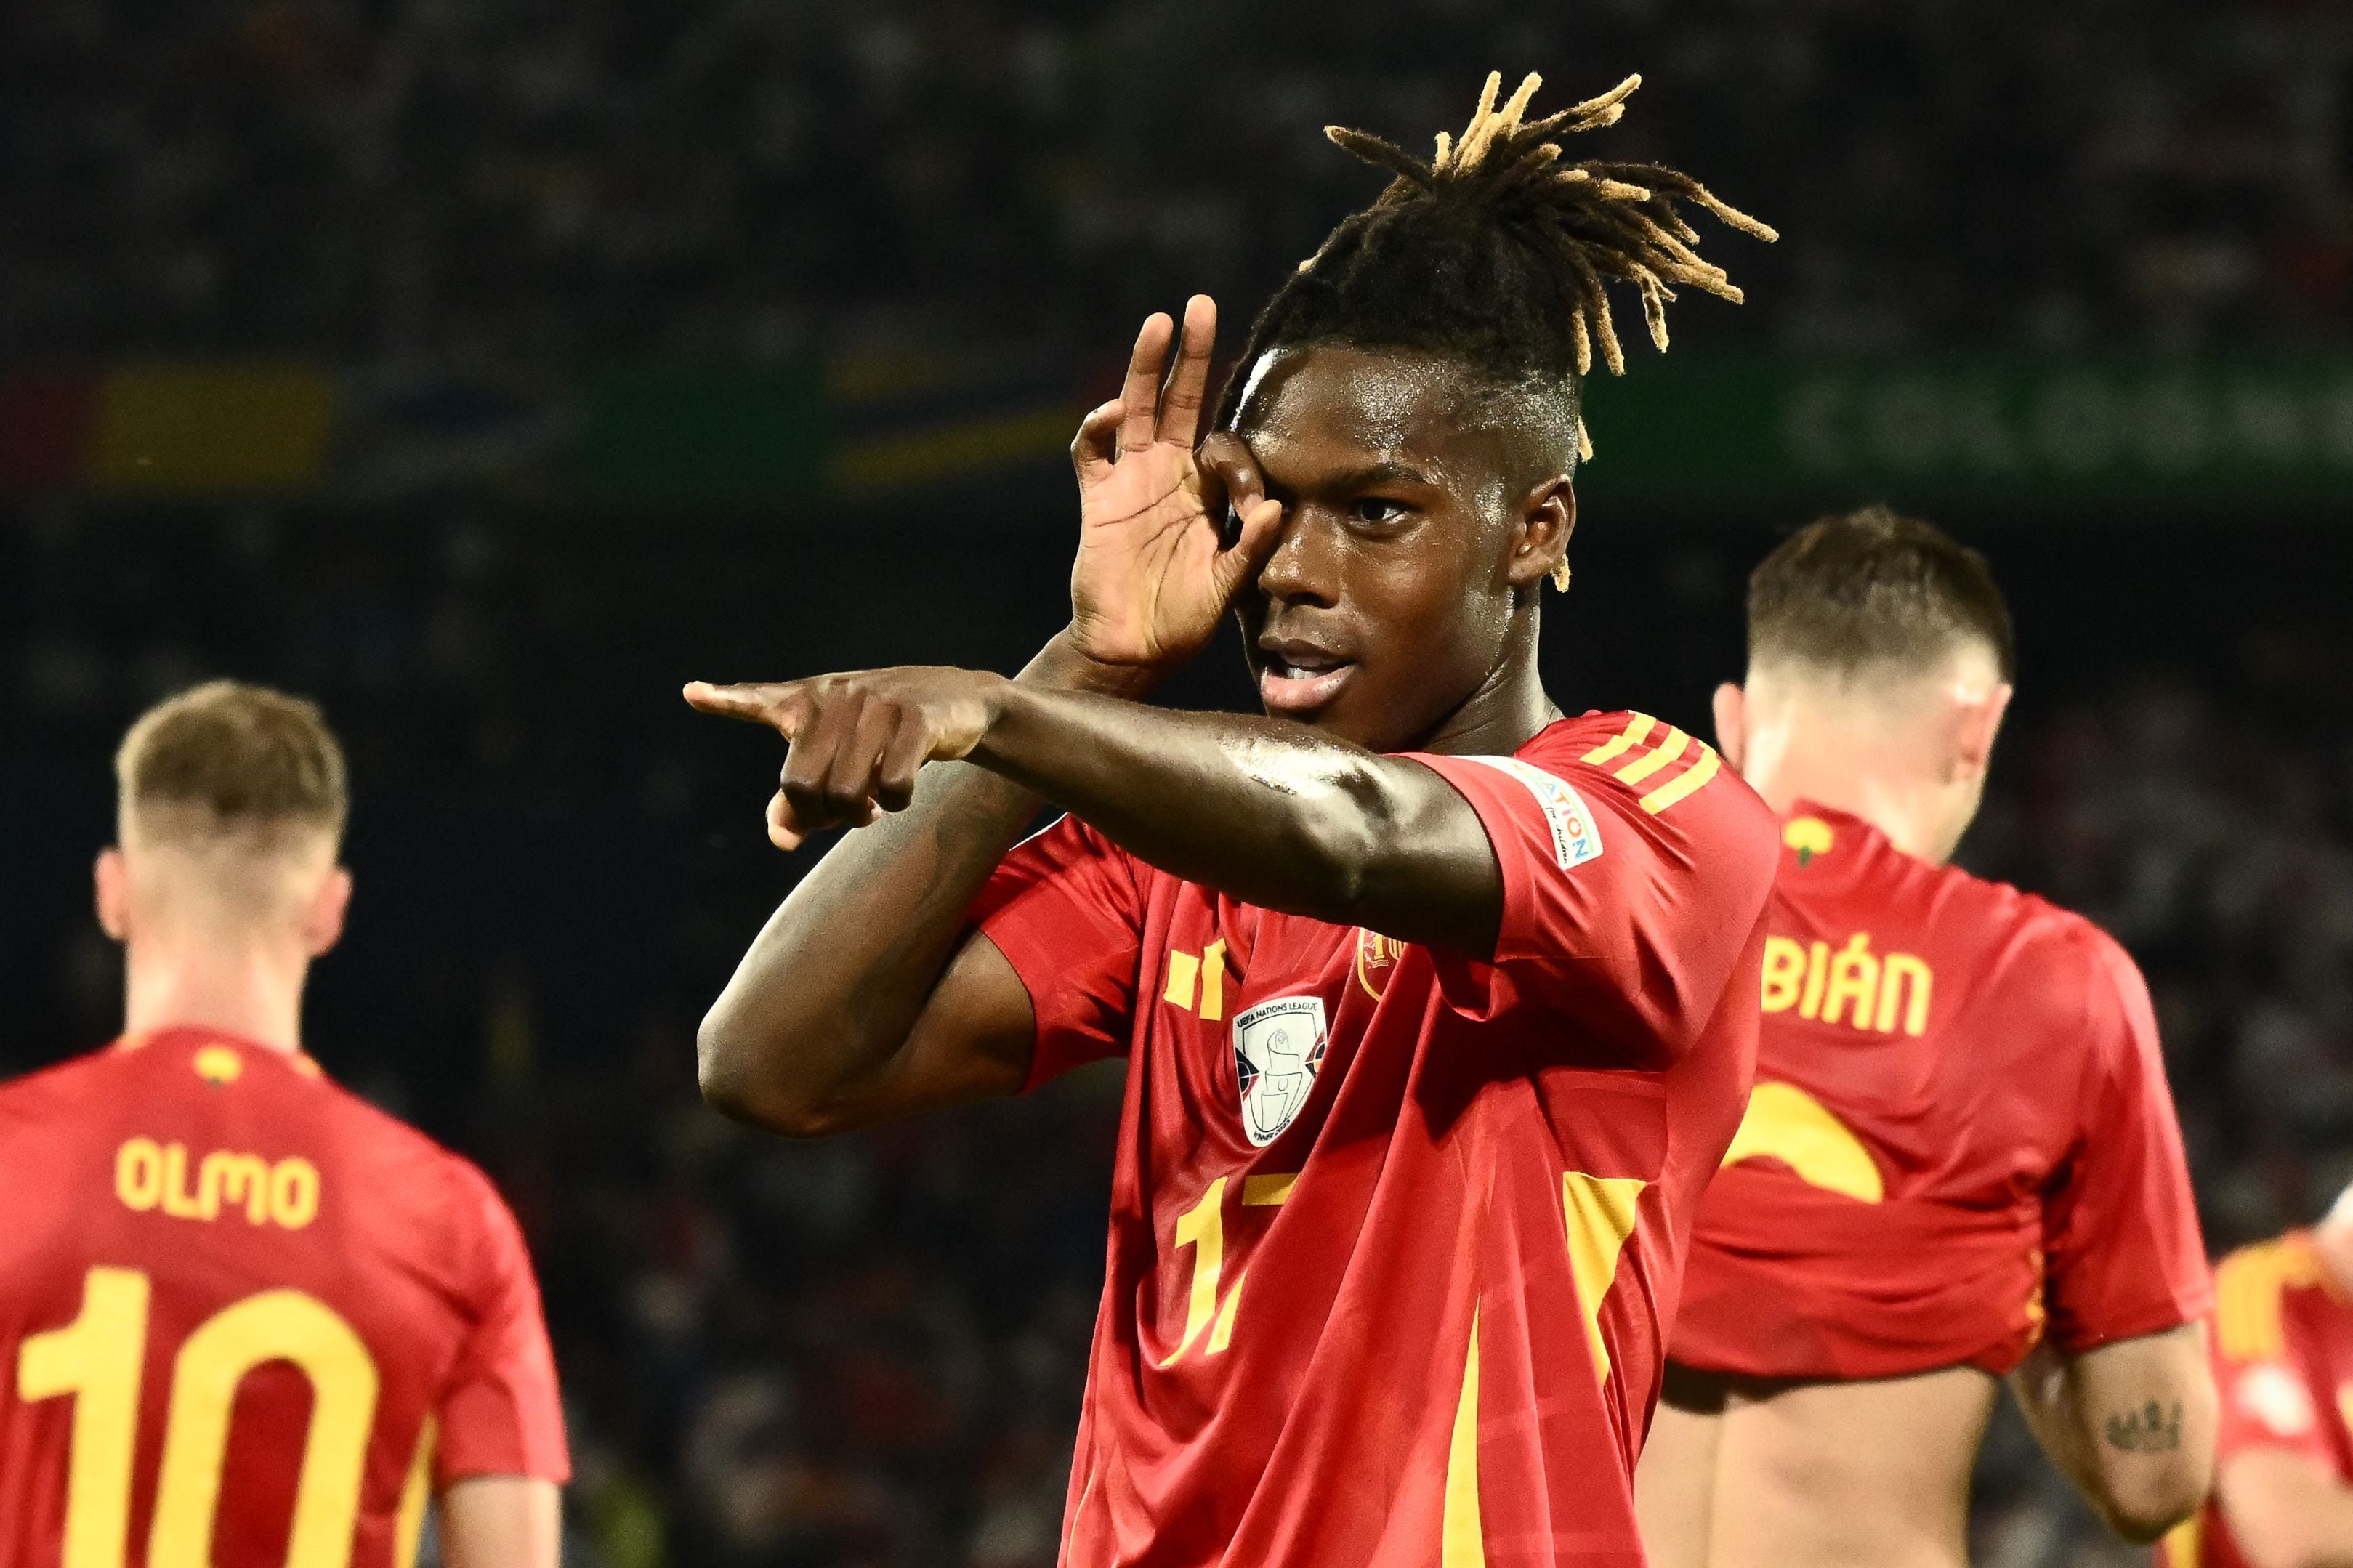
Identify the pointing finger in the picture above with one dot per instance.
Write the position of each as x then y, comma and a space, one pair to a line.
1140, 396
776, 705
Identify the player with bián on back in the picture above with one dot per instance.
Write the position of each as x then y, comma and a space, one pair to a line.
248, 1321
1438, 1006
1960, 1161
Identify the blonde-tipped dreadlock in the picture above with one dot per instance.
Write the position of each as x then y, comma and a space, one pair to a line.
1497, 253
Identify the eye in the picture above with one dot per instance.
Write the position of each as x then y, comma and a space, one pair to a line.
1377, 509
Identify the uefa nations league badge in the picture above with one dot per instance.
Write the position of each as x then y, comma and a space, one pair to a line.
1277, 1051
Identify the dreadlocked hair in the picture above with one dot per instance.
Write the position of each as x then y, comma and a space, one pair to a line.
1496, 254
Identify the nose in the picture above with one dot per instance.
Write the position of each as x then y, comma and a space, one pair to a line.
1303, 568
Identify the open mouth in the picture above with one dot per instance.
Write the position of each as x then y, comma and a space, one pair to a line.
1295, 680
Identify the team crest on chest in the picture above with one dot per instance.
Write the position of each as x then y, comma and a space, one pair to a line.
1277, 1051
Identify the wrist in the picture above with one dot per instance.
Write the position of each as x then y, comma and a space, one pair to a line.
1063, 665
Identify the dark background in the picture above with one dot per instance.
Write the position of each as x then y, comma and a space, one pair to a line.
869, 1351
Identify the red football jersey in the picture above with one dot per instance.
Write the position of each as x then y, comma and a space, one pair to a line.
1960, 1137
1394, 1234
247, 1320
2282, 1350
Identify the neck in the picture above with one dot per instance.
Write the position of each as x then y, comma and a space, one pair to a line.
1507, 710
1849, 762
244, 988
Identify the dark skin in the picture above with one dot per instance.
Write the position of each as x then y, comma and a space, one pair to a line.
1385, 577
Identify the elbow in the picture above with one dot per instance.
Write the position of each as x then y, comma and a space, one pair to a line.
730, 1071
2142, 1503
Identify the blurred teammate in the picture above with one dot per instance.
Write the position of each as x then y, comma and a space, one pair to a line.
1429, 1055
246, 1320
2284, 1361
1959, 1160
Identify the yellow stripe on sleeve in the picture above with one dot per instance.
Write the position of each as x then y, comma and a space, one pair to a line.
1684, 784
1637, 729
416, 1492
1657, 757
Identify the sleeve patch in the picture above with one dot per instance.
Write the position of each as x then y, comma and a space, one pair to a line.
2270, 1396
1575, 835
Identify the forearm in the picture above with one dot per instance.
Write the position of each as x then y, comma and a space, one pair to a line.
2131, 1423
829, 991
1268, 812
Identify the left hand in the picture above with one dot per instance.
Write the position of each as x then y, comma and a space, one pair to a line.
857, 740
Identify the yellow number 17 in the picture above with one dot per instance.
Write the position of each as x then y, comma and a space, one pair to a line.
98, 1359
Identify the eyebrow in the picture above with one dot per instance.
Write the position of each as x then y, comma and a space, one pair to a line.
1390, 472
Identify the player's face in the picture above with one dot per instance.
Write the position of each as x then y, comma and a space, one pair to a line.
1390, 598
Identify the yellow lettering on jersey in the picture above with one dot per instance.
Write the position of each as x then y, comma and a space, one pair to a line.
1783, 1122
1854, 978
1601, 1213
1202, 1228
2181, 1544
1263, 1192
1851, 986
2247, 1288
148, 1175
96, 1358
1784, 969
1463, 1540
408, 1524
1183, 968
1213, 980
276, 1325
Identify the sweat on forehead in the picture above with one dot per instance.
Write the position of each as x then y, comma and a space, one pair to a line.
1402, 402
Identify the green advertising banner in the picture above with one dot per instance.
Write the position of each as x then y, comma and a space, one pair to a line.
1733, 429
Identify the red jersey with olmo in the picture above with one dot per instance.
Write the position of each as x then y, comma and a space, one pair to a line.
246, 1318
1395, 1233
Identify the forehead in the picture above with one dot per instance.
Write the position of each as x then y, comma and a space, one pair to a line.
1307, 409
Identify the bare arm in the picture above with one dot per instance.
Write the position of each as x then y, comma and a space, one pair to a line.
864, 995
2285, 1511
502, 1521
2131, 1423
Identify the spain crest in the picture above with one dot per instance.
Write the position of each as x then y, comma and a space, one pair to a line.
1277, 1051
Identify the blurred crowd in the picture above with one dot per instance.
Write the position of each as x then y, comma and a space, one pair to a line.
869, 1351
543, 184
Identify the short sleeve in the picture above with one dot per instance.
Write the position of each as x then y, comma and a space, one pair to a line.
500, 1414
1066, 909
1636, 869
2266, 1400
2123, 1256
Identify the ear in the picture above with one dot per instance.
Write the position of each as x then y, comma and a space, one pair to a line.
1546, 518
323, 916
112, 878
1731, 725
1977, 722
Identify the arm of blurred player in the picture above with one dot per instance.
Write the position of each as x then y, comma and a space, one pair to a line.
2285, 1511
502, 1521
866, 995
2131, 1423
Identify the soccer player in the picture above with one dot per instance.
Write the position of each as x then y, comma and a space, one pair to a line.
1959, 1160
2283, 1358
244, 1317
1438, 1006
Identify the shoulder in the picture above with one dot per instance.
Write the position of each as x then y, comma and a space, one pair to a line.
2248, 1321
1645, 769
54, 1098
450, 1190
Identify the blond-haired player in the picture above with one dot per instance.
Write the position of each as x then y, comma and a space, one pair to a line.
244, 1317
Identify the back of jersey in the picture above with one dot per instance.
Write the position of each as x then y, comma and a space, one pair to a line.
246, 1320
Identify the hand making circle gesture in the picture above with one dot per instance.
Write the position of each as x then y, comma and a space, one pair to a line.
1154, 572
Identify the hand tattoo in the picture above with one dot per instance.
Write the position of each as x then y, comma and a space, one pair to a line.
2148, 1430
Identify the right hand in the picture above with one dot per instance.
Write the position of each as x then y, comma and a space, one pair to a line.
857, 741
1154, 575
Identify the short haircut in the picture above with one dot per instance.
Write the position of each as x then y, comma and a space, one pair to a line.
225, 761
1874, 589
